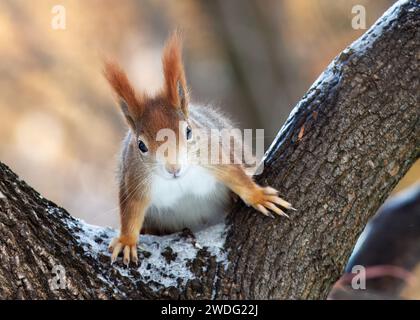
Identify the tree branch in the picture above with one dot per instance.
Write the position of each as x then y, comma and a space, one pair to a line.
344, 147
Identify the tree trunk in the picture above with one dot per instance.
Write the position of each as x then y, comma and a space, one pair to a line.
342, 150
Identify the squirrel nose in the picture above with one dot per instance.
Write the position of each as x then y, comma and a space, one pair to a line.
173, 169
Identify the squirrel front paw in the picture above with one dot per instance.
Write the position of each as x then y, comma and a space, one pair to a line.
125, 244
265, 199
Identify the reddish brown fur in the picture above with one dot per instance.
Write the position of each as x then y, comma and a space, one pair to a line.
173, 71
146, 116
158, 115
149, 115
122, 87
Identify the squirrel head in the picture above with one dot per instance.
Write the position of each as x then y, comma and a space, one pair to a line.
159, 123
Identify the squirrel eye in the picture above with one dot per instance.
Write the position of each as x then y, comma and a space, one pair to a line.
189, 133
142, 147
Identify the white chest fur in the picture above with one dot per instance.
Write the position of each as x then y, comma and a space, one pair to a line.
194, 200
196, 181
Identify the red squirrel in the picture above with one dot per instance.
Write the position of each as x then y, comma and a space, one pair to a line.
165, 194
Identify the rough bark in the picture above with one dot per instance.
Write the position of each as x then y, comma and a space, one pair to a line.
344, 147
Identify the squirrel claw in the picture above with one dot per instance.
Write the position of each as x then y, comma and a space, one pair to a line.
267, 199
129, 251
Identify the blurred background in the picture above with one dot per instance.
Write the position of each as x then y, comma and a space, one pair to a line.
60, 129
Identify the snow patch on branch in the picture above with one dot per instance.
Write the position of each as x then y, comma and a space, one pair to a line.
169, 272
164, 261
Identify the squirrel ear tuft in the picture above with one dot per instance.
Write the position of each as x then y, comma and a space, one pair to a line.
173, 70
131, 105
